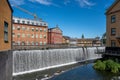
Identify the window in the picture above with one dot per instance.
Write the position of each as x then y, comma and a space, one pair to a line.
36, 23
13, 20
28, 22
36, 29
13, 27
45, 30
44, 36
40, 35
23, 22
40, 29
13, 34
5, 31
32, 35
36, 43
44, 43
18, 28
113, 19
32, 29
32, 23
18, 42
40, 43
28, 35
23, 35
32, 43
23, 28
36, 35
28, 28
18, 35
113, 31
23, 43
40, 24
28, 43
113, 43
18, 21
44, 23
13, 42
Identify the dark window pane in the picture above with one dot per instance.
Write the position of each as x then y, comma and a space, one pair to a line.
5, 31
113, 19
113, 31
113, 43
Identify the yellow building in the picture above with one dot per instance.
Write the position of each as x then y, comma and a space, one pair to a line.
88, 42
66, 40
113, 25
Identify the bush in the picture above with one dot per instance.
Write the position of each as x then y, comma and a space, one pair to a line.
99, 65
108, 65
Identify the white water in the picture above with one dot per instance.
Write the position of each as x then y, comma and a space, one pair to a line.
37, 60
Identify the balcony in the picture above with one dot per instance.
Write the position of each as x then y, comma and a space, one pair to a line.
113, 51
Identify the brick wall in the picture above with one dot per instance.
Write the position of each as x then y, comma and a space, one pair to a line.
5, 15
115, 10
28, 30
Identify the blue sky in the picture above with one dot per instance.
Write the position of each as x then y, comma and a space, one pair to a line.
74, 17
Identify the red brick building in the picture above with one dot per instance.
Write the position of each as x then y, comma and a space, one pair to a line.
55, 36
29, 32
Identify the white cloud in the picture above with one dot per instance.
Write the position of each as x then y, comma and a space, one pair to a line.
16, 2
66, 2
85, 3
44, 2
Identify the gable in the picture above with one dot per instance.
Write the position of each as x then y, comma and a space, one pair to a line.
114, 7
57, 30
6, 5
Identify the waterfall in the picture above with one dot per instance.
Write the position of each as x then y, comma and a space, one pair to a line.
27, 61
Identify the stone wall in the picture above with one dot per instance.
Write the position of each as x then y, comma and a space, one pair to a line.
6, 65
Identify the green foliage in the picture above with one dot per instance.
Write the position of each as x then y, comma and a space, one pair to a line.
108, 65
82, 36
99, 65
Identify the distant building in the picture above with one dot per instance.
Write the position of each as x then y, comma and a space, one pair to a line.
5, 40
66, 40
55, 36
113, 25
88, 42
27, 32
73, 42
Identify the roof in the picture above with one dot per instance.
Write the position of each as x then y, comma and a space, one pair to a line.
88, 39
66, 37
116, 1
9, 5
55, 28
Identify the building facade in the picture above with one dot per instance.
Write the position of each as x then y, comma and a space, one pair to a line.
55, 36
73, 42
88, 42
66, 40
5, 40
28, 32
113, 25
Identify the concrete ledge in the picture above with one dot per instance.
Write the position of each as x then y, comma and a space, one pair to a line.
6, 65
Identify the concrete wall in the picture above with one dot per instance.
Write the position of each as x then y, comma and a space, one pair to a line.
6, 65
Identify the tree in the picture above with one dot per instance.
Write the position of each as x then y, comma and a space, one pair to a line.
104, 38
82, 36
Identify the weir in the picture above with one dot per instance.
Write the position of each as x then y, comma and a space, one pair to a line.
27, 61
